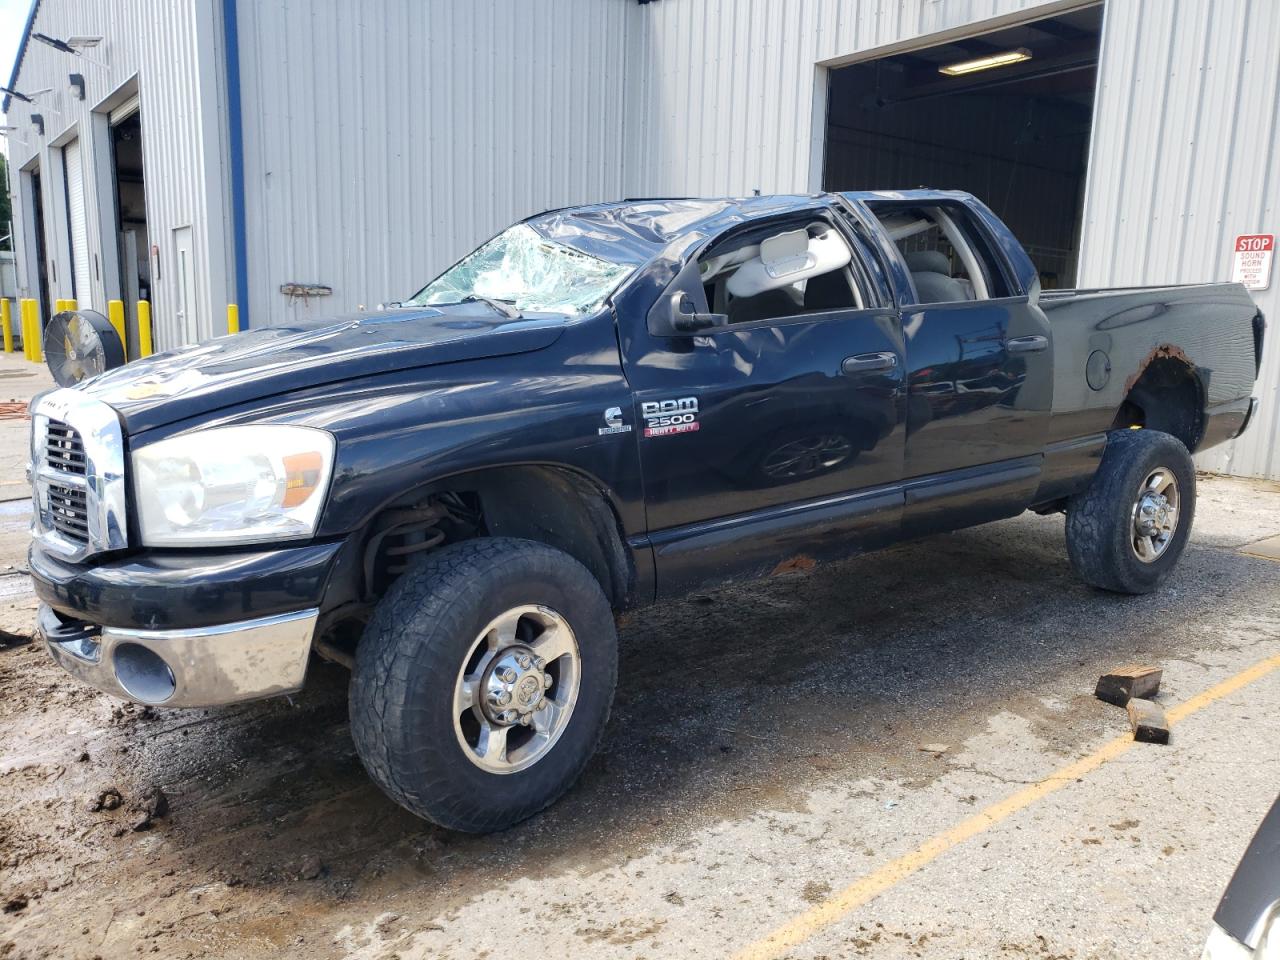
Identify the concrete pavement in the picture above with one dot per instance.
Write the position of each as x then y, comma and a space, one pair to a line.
897, 756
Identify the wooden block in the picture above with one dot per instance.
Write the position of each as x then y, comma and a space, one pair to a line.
1121, 686
1148, 721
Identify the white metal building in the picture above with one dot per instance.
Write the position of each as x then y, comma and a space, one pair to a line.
229, 151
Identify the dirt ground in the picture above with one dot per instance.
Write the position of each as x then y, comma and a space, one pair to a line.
771, 746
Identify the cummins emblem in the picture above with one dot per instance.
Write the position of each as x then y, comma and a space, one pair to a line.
662, 418
613, 422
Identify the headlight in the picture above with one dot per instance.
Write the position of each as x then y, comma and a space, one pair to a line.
232, 485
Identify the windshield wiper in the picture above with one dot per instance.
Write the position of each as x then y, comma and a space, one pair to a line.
505, 307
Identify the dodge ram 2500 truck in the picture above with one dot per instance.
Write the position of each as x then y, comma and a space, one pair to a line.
601, 407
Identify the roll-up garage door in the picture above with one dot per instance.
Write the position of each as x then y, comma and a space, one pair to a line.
125, 110
76, 225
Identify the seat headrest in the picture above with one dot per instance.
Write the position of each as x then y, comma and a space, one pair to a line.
933, 287
828, 291
763, 306
929, 261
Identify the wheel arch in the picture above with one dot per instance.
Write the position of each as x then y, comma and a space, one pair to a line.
549, 503
1166, 393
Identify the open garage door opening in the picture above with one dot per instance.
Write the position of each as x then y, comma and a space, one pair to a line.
1006, 116
34, 205
131, 214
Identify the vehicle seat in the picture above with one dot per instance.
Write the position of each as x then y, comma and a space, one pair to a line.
829, 291
931, 272
763, 306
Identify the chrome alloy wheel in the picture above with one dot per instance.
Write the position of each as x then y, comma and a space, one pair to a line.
1155, 515
516, 689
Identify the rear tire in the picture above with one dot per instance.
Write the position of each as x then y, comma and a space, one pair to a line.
483, 683
1127, 531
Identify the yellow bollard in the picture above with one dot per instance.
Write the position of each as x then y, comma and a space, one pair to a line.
22, 328
24, 318
37, 335
71, 305
233, 318
115, 313
144, 328
6, 326
31, 332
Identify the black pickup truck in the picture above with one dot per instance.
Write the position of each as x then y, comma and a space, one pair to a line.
601, 407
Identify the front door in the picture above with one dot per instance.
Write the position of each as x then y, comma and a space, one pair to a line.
777, 439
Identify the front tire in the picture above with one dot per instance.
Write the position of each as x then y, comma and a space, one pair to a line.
483, 683
1127, 531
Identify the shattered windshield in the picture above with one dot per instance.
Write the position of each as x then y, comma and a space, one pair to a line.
525, 269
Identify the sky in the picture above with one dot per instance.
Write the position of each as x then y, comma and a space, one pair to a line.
13, 17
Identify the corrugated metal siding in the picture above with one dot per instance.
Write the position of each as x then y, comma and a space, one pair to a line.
1186, 156
386, 139
167, 44
383, 140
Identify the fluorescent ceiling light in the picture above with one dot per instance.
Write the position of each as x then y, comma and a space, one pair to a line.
986, 63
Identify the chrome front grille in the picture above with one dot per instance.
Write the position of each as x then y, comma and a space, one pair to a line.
68, 504
63, 448
77, 467
70, 511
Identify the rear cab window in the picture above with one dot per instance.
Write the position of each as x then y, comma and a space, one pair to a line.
948, 255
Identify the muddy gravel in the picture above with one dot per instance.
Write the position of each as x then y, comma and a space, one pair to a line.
253, 831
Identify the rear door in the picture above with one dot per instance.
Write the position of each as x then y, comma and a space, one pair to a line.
777, 438
979, 369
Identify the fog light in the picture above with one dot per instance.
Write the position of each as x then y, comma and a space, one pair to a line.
143, 674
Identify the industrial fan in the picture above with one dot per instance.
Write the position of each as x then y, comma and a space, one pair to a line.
79, 344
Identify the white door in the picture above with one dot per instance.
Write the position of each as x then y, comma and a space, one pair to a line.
188, 319
76, 225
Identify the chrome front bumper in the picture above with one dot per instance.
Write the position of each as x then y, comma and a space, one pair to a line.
198, 667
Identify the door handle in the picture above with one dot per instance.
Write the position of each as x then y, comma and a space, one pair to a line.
868, 362
1026, 344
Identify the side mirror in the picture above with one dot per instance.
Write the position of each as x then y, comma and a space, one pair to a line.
685, 319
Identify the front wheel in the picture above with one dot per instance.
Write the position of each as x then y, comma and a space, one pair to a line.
483, 682
1126, 532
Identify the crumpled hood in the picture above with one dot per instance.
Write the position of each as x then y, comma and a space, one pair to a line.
274, 360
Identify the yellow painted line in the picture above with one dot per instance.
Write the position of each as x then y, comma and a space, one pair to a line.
867, 888
1268, 549
1223, 689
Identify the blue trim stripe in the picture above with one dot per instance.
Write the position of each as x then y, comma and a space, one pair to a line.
22, 49
235, 142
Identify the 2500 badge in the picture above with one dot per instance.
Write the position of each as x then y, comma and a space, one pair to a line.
662, 418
